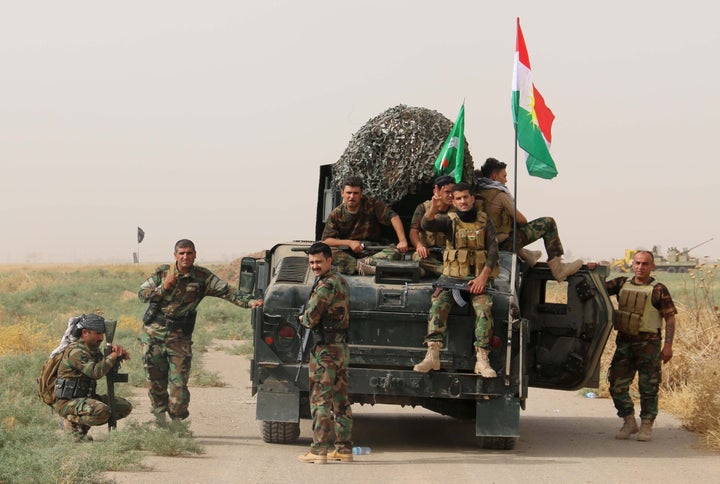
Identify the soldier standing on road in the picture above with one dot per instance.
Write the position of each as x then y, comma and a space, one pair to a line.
500, 207
357, 221
327, 313
423, 240
642, 305
81, 366
470, 256
174, 293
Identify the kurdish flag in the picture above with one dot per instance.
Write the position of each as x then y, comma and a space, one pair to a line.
451, 157
533, 119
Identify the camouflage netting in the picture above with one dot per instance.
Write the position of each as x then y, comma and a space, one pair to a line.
395, 152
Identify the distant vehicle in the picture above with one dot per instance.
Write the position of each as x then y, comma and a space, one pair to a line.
676, 261
554, 338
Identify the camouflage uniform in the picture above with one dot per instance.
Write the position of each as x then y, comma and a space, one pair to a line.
432, 265
442, 300
499, 206
329, 306
167, 335
364, 225
639, 354
85, 364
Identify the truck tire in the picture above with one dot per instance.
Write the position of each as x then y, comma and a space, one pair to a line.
280, 432
498, 443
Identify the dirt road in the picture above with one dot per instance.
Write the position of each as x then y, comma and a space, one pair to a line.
565, 438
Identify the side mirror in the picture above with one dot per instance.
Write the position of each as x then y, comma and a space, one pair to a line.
248, 275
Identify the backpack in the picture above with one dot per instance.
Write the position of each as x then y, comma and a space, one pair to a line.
48, 377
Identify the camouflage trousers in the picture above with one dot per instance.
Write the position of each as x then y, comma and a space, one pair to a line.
441, 304
167, 370
347, 263
432, 265
329, 402
641, 355
541, 228
92, 411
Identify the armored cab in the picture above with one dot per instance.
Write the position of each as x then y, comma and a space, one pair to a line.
545, 334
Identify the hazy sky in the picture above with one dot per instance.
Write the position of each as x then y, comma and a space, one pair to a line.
208, 120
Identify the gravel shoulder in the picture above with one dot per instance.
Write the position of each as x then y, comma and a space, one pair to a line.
565, 437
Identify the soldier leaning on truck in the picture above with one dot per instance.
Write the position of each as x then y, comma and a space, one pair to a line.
471, 256
424, 240
327, 314
355, 221
642, 305
173, 293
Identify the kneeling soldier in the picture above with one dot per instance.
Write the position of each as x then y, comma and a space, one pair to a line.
81, 366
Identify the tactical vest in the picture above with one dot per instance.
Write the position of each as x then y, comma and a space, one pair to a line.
635, 313
432, 239
502, 220
465, 253
71, 382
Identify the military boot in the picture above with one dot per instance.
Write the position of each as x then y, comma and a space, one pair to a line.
432, 358
365, 268
312, 458
629, 427
530, 256
561, 270
482, 365
78, 431
645, 430
342, 455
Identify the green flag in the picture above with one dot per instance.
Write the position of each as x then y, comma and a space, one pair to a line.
450, 159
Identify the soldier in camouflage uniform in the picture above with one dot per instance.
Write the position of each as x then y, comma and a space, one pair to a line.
354, 223
500, 207
470, 256
642, 305
424, 241
174, 293
81, 366
327, 313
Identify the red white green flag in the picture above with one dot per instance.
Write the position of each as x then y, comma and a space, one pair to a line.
533, 119
451, 157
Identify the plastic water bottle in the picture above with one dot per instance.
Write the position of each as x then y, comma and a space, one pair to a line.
361, 450
590, 395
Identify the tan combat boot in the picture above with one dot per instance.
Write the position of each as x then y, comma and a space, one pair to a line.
365, 268
629, 427
530, 256
432, 358
342, 455
645, 430
561, 270
311, 458
482, 365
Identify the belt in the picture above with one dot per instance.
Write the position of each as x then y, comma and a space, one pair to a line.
644, 336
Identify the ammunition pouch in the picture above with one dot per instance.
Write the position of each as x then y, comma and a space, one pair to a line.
74, 388
186, 324
150, 313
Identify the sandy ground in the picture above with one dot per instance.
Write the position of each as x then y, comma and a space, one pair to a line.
565, 438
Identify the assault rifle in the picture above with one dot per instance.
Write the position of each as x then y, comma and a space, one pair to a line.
114, 375
305, 340
458, 288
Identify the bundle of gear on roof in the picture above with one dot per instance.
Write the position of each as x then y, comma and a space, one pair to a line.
395, 152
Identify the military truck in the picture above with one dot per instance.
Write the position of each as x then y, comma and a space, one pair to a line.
546, 334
